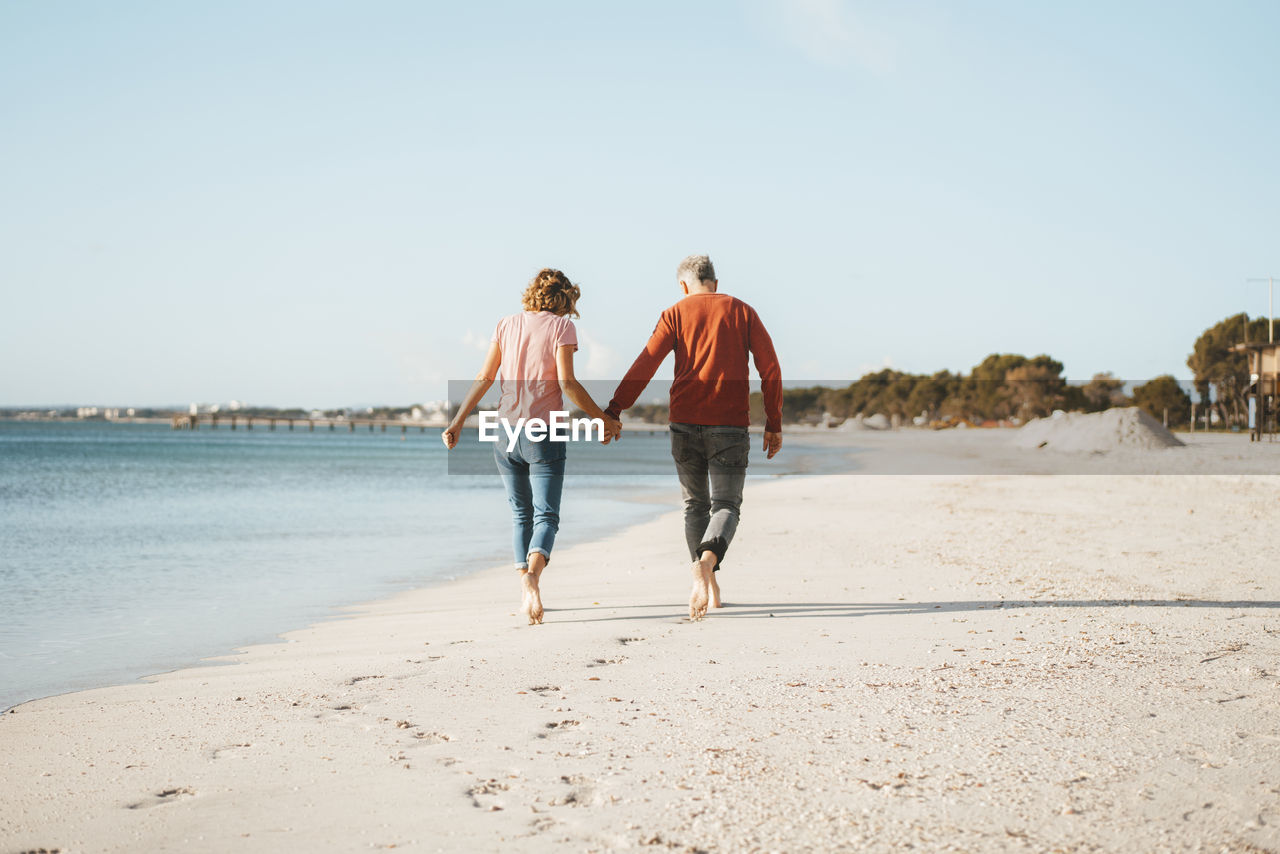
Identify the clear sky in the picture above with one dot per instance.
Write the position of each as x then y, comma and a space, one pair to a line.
327, 203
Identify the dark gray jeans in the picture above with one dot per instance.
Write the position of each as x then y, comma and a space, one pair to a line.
712, 465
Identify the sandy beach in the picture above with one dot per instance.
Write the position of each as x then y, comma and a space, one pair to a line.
944, 662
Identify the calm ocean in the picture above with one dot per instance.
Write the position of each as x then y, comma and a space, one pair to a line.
132, 549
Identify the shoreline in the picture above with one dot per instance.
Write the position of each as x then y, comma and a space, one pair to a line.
878, 453
646, 501
902, 661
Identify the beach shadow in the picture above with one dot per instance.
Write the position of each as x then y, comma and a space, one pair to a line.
764, 610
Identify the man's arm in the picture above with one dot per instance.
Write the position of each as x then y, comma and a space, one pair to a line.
661, 342
766, 360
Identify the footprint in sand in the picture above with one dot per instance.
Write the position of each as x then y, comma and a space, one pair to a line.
167, 796
563, 724
422, 736
581, 792
542, 824
229, 751
485, 795
625, 641
558, 726
544, 690
334, 713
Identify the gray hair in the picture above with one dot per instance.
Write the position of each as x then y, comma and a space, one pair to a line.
695, 269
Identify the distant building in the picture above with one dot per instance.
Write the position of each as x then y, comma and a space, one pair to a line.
1264, 387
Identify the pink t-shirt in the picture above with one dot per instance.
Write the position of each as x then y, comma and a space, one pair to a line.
529, 381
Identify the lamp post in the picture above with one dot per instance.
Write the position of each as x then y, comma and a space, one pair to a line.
1271, 314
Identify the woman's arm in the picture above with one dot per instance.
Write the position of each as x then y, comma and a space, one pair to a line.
483, 382
574, 391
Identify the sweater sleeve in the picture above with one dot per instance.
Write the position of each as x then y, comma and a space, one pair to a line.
766, 361
661, 342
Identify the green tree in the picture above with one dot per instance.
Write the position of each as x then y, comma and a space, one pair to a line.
928, 394
799, 404
1035, 388
1215, 365
1161, 394
986, 393
1102, 392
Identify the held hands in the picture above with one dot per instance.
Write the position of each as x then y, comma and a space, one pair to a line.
612, 430
772, 444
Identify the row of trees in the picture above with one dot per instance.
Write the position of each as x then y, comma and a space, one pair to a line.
1011, 386
1003, 386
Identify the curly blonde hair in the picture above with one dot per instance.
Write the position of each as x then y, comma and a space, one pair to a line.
552, 291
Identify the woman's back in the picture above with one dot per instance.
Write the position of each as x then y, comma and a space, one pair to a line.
529, 382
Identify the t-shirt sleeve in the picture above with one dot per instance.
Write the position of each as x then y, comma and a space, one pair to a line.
496, 337
568, 335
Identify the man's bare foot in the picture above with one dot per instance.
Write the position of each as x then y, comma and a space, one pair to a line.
702, 581
715, 592
698, 596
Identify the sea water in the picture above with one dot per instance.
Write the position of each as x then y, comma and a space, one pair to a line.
132, 549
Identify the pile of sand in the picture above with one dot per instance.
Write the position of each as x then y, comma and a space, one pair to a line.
861, 422
1129, 428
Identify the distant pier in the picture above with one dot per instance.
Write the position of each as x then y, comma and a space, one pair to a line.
213, 420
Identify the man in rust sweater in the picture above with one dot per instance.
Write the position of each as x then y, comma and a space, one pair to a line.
712, 334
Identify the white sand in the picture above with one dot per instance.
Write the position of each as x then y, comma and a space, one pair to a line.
996, 451
1125, 428
953, 663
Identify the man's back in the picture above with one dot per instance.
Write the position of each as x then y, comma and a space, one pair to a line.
713, 336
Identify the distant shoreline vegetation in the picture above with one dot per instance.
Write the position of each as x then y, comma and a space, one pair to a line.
1009, 389
1004, 389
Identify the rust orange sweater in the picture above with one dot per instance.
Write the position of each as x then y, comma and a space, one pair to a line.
712, 335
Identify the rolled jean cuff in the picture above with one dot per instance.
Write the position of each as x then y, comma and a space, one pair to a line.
522, 565
537, 550
715, 545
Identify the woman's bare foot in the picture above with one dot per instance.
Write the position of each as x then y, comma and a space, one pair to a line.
702, 581
531, 601
524, 593
533, 594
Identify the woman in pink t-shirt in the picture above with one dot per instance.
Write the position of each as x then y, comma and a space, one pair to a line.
533, 352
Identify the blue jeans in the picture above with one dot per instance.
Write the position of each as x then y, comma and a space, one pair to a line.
533, 473
711, 463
